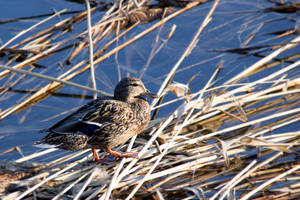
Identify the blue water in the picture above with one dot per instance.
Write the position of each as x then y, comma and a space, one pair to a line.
227, 30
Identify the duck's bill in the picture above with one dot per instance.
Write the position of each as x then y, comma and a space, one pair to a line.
150, 95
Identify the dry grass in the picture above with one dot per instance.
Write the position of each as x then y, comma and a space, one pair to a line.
220, 143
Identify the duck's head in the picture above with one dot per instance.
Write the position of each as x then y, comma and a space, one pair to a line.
129, 89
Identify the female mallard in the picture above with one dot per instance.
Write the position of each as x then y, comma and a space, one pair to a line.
104, 123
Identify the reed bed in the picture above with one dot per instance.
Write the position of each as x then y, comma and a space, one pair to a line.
223, 141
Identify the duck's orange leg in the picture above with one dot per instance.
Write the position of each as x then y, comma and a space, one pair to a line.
96, 156
124, 155
98, 159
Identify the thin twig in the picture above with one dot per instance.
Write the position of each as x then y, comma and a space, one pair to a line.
53, 79
92, 69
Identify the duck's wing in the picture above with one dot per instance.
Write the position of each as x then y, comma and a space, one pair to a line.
112, 123
73, 122
110, 117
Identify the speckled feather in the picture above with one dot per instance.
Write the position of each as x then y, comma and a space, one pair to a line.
105, 122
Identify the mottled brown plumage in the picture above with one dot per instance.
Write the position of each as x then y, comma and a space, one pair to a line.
104, 123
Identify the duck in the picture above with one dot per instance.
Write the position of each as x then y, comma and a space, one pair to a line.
104, 123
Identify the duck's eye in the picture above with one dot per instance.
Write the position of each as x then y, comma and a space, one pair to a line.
132, 84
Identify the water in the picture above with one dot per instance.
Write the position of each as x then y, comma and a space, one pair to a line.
226, 30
